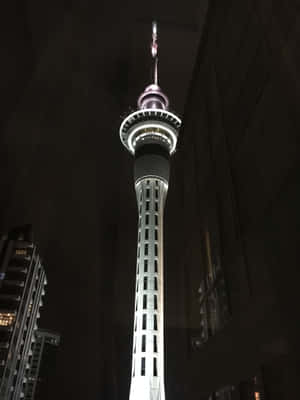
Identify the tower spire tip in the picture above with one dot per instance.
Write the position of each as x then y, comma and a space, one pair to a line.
154, 51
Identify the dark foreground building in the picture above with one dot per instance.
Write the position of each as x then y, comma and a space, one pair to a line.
21, 290
41, 350
239, 166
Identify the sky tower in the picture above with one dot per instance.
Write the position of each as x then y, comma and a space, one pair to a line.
150, 134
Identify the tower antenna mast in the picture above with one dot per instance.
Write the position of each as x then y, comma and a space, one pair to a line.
154, 51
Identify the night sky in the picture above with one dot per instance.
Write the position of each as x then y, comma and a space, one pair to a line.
70, 70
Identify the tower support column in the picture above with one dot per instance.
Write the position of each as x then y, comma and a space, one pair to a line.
147, 379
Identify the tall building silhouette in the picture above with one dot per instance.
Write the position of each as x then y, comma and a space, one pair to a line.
22, 281
150, 135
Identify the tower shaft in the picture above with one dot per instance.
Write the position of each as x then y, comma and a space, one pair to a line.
147, 381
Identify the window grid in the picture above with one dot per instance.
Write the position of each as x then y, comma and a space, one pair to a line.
149, 192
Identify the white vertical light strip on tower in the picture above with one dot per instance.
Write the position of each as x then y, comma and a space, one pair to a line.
147, 380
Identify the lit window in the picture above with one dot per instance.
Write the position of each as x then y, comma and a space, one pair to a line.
21, 252
7, 319
143, 366
143, 343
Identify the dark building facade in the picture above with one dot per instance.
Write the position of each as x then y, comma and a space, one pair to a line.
44, 340
22, 287
239, 167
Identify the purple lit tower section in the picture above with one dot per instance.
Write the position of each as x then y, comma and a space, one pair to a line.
150, 134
